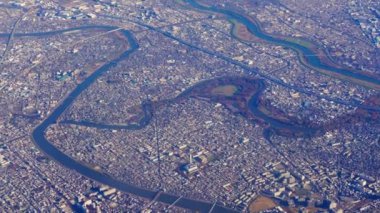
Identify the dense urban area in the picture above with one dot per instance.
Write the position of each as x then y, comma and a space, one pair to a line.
190, 106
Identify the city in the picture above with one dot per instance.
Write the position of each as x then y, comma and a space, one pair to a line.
190, 106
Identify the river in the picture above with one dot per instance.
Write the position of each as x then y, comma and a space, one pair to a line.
312, 59
38, 135
50, 150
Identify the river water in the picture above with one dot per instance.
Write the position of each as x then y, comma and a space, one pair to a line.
40, 140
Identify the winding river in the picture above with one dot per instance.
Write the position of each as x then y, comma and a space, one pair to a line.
40, 140
38, 134
311, 58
